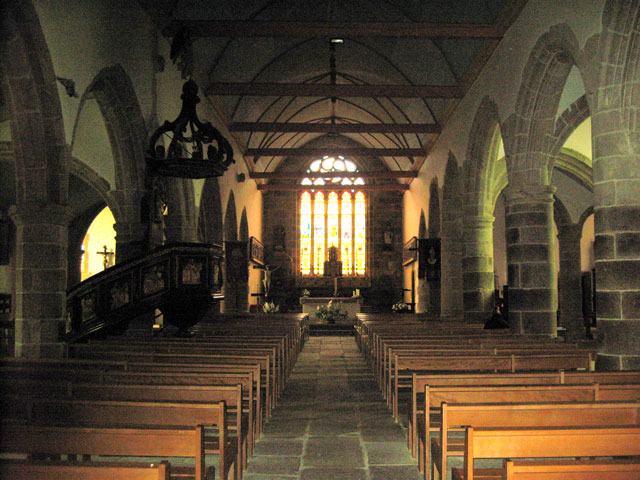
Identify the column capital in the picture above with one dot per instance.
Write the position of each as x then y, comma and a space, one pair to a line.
478, 221
532, 193
570, 230
37, 213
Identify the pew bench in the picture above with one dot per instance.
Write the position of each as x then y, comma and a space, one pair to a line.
545, 442
599, 469
31, 469
123, 414
512, 415
403, 367
187, 443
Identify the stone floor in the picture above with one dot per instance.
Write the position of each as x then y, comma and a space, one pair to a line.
332, 423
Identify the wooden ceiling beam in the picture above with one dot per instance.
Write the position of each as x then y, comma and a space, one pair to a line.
328, 90
400, 187
346, 152
388, 174
335, 128
253, 28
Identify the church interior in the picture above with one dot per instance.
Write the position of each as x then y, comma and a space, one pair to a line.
359, 239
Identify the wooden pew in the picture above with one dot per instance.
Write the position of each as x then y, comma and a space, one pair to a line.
31, 469
404, 366
435, 396
127, 442
230, 395
511, 415
117, 414
537, 442
187, 362
600, 469
623, 386
63, 371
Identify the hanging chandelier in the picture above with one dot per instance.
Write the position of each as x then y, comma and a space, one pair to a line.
196, 149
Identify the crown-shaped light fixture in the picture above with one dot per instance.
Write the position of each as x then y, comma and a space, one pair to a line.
196, 149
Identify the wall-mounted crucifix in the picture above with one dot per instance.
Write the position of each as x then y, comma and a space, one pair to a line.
107, 257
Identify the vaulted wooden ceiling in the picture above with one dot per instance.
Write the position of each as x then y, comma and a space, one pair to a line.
362, 78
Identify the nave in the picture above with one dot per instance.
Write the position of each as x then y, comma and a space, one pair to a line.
332, 422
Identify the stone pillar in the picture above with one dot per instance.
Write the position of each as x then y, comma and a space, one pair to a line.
533, 287
617, 251
422, 294
477, 268
41, 279
570, 281
451, 258
130, 240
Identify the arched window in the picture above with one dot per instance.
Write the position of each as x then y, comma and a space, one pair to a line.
333, 217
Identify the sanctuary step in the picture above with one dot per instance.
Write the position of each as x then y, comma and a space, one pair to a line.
317, 330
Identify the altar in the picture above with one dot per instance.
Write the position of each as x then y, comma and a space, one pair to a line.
350, 304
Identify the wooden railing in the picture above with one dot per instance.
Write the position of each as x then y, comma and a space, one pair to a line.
182, 280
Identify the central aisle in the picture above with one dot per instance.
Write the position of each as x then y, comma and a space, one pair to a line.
332, 423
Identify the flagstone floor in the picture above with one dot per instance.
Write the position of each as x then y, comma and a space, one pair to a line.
331, 423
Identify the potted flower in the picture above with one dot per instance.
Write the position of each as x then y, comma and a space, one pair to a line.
400, 307
306, 293
270, 307
331, 313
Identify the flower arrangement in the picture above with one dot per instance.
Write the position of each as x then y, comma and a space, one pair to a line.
270, 307
400, 307
331, 313
306, 293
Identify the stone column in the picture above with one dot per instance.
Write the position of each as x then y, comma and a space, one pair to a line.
533, 290
451, 258
41, 279
423, 299
617, 251
477, 267
130, 240
570, 281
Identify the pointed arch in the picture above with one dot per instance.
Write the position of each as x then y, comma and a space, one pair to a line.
230, 220
570, 119
244, 226
38, 142
554, 55
481, 172
451, 282
434, 209
180, 223
210, 217
422, 229
113, 91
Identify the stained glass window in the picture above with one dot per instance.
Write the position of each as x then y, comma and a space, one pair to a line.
333, 218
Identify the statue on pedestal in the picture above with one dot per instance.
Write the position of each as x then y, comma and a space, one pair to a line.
333, 268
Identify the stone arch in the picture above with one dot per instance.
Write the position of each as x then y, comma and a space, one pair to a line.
37, 130
543, 79
180, 222
481, 177
570, 119
434, 209
560, 212
422, 228
451, 231
113, 90
244, 226
41, 159
479, 172
230, 220
114, 93
210, 218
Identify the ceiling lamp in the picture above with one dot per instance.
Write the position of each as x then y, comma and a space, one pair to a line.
196, 149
